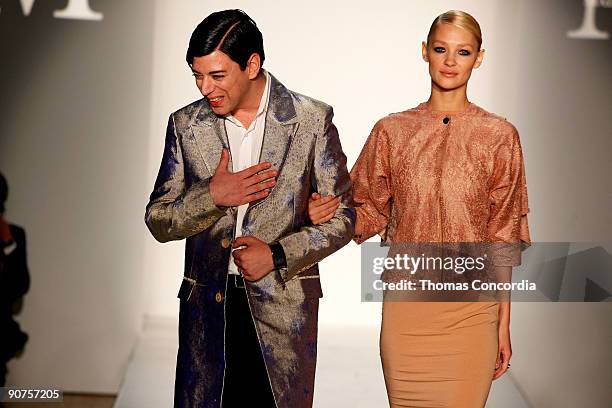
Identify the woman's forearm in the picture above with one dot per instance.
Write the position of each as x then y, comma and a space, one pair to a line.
504, 314
504, 275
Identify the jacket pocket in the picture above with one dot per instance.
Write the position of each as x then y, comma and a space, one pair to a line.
188, 285
185, 290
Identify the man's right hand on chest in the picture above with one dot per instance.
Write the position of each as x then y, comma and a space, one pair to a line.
233, 189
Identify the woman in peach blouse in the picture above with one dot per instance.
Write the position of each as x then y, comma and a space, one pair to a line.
444, 171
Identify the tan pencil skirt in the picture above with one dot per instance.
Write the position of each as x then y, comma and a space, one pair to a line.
439, 354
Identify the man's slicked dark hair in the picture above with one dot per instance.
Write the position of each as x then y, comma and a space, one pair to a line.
232, 32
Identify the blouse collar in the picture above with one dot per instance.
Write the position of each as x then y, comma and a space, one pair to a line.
426, 107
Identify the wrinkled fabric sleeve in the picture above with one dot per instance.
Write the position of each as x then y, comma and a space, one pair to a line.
371, 178
507, 226
312, 243
174, 212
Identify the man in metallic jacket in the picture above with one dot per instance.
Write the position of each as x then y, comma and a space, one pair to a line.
236, 173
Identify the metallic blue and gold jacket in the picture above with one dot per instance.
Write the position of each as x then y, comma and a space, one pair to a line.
302, 143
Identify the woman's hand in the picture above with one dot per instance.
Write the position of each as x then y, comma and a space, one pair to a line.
322, 209
504, 351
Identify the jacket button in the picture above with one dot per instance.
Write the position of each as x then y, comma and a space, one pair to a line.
225, 243
218, 297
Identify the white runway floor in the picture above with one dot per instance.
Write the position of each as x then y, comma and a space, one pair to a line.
348, 371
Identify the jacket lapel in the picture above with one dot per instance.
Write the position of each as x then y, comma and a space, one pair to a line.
209, 135
281, 125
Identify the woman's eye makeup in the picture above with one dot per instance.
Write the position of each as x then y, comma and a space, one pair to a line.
462, 52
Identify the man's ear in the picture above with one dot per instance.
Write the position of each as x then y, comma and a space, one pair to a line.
424, 51
253, 65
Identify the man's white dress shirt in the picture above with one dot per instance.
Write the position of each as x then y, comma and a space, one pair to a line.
245, 148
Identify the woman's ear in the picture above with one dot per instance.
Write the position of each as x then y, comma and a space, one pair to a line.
479, 58
424, 51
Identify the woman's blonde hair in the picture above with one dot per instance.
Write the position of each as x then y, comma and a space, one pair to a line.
460, 19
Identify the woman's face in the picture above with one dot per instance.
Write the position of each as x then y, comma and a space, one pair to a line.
452, 53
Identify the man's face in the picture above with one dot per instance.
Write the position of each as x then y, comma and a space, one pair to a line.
222, 82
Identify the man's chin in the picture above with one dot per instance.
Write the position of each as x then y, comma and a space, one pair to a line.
219, 110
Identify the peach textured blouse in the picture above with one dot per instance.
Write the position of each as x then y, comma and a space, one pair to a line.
424, 176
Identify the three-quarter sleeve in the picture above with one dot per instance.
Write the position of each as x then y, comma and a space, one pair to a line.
507, 225
372, 186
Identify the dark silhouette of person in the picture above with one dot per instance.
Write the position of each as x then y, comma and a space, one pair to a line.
14, 283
